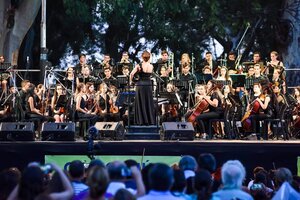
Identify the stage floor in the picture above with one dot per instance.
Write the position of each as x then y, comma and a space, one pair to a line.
270, 153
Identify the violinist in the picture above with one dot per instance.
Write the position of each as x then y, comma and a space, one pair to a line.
32, 112
276, 78
91, 95
296, 111
113, 110
171, 110
39, 91
103, 101
81, 111
214, 111
58, 110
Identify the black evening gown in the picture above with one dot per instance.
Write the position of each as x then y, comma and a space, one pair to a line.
144, 113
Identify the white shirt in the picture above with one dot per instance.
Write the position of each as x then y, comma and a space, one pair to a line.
113, 187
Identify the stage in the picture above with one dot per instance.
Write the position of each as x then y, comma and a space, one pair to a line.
270, 154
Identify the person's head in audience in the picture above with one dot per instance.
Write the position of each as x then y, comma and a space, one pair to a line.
55, 184
145, 175
203, 184
117, 170
130, 162
296, 183
161, 177
188, 163
76, 170
9, 178
207, 161
32, 183
258, 191
233, 174
123, 194
283, 175
98, 181
179, 184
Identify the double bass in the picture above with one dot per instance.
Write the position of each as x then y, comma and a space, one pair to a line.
200, 107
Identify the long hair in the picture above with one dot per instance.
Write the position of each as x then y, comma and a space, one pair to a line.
97, 180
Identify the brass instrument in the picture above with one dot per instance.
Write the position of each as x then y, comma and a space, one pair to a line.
171, 64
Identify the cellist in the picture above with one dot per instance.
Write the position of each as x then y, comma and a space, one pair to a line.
215, 110
261, 109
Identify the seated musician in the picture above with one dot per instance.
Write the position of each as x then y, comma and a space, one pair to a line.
69, 80
91, 103
104, 102
125, 70
224, 76
296, 110
274, 63
215, 111
58, 110
25, 86
200, 92
39, 91
208, 60
164, 75
277, 78
262, 108
85, 76
257, 60
206, 70
3, 76
81, 111
162, 61
171, 111
231, 63
258, 77
82, 64
32, 110
114, 114
109, 79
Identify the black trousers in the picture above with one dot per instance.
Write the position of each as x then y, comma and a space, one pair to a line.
203, 120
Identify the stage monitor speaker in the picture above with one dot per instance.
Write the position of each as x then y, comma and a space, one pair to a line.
177, 131
17, 131
110, 130
58, 131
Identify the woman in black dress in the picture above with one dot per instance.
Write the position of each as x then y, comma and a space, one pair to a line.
143, 105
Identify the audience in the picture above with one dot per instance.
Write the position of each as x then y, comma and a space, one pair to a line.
161, 180
233, 175
100, 182
76, 174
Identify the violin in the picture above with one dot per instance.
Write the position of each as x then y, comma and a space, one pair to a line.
113, 108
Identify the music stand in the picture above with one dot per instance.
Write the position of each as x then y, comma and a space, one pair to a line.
238, 80
123, 81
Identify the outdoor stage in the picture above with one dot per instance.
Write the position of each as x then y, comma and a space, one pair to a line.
270, 153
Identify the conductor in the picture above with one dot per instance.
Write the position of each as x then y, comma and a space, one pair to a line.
143, 105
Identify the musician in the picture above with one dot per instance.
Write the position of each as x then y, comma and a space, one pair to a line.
104, 102
164, 75
58, 109
264, 109
31, 107
80, 99
125, 58
188, 80
3, 79
257, 60
258, 77
214, 111
125, 70
231, 62
114, 114
82, 64
200, 92
109, 79
296, 111
86, 76
38, 97
25, 85
206, 70
171, 111
107, 62
274, 63
163, 61
69, 80
224, 76
208, 60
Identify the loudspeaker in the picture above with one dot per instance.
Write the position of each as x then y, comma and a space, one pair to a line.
110, 130
58, 131
17, 131
177, 131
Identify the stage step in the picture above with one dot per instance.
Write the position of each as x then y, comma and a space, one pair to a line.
142, 133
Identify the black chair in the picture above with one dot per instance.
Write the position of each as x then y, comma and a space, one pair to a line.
278, 122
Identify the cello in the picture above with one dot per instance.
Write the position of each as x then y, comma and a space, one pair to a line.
254, 109
200, 107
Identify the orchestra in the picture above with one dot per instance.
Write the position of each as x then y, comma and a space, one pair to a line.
243, 96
